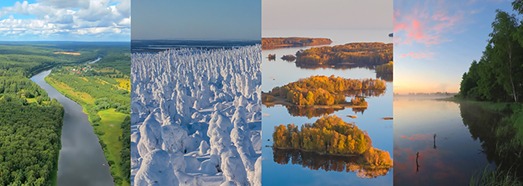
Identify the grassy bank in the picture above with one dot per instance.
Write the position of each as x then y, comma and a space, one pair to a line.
106, 120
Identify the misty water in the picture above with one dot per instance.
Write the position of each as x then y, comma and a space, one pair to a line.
441, 142
310, 169
81, 161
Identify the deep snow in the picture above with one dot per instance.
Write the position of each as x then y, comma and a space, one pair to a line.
196, 117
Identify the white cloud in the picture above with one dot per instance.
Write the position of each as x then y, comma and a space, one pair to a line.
52, 18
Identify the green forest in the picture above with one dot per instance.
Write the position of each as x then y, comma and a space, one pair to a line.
103, 90
30, 126
27, 59
350, 54
30, 122
497, 76
331, 135
495, 82
328, 91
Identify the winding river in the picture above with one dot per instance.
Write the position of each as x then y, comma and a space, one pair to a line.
82, 161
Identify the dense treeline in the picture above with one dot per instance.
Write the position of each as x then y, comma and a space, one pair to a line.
117, 58
498, 75
330, 135
20, 86
31, 59
125, 155
282, 42
30, 125
323, 90
351, 55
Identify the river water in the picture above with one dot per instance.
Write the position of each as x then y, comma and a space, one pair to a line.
82, 161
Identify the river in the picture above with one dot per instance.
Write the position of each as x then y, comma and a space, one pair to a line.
81, 161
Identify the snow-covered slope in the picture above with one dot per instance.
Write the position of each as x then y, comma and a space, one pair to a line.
196, 117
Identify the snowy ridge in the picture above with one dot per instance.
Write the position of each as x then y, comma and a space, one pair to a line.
196, 117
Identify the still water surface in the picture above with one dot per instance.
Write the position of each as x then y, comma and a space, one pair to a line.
449, 152
280, 72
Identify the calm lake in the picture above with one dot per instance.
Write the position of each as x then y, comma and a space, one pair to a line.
280, 72
81, 161
447, 136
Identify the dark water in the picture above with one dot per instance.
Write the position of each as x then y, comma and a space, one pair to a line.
82, 161
295, 168
450, 139
160, 45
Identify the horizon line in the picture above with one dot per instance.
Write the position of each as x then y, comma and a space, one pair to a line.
63, 41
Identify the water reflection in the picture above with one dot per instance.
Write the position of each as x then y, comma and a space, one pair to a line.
342, 66
385, 76
279, 72
497, 136
432, 146
315, 161
447, 143
311, 112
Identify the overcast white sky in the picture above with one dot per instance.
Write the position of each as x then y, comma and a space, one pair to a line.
326, 14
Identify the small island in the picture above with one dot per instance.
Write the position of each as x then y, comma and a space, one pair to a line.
286, 42
331, 136
323, 91
271, 57
289, 58
349, 55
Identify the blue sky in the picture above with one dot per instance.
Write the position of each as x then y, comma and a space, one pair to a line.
435, 41
196, 19
65, 20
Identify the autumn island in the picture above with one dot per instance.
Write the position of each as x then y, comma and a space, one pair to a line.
369, 54
324, 92
330, 135
285, 42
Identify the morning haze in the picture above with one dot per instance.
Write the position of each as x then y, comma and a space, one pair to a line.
193, 20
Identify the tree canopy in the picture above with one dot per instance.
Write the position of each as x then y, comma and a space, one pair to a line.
330, 135
323, 90
350, 54
497, 76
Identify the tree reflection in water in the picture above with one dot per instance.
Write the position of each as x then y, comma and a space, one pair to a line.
316, 161
311, 112
386, 77
497, 136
